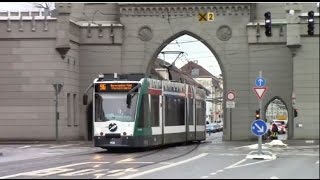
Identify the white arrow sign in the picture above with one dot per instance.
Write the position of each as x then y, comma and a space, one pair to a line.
260, 91
260, 129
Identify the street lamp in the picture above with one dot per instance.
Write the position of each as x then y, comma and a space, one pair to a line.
57, 87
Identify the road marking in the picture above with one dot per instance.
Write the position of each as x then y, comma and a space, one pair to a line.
274, 177
307, 154
40, 145
204, 177
130, 160
163, 167
59, 146
220, 171
241, 161
213, 173
24, 147
98, 175
49, 171
142, 162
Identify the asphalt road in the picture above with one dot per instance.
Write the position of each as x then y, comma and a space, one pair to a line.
207, 160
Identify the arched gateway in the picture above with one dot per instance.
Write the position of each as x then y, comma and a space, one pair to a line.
80, 40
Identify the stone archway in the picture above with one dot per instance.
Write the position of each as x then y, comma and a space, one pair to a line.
212, 50
270, 104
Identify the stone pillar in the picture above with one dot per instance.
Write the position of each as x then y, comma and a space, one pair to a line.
293, 31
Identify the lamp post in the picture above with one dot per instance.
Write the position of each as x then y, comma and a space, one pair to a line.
57, 88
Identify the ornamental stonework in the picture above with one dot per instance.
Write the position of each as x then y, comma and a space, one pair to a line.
224, 33
145, 33
183, 10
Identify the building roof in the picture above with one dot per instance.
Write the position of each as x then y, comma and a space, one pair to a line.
176, 74
202, 73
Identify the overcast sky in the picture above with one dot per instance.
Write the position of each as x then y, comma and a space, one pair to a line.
192, 48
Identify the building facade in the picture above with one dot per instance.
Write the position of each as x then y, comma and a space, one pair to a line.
214, 111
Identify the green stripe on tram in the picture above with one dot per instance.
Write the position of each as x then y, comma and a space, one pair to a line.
139, 131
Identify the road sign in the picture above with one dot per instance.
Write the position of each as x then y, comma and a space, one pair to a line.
259, 127
260, 91
231, 95
202, 16
230, 104
210, 16
260, 82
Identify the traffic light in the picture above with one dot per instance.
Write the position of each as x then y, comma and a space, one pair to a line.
295, 113
267, 25
311, 23
258, 114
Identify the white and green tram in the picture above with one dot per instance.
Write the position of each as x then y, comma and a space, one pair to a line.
133, 111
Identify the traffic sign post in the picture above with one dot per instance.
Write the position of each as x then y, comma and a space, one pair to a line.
259, 127
231, 95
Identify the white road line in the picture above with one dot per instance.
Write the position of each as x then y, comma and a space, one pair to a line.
40, 145
204, 177
132, 162
163, 167
231, 166
24, 147
250, 163
213, 173
274, 177
59, 146
220, 171
98, 176
48, 170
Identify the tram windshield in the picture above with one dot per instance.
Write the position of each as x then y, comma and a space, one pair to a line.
112, 106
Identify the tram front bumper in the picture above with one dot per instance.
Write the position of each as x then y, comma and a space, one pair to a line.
123, 141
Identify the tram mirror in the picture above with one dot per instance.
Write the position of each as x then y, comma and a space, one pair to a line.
128, 101
85, 99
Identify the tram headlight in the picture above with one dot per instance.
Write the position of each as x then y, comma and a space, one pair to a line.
124, 133
101, 133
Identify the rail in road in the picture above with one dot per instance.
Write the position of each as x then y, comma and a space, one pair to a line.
93, 164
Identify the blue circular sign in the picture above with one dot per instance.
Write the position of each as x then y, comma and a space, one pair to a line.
260, 82
259, 127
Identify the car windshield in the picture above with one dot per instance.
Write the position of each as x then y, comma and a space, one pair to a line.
112, 106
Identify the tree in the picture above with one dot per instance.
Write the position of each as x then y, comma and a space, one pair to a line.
47, 6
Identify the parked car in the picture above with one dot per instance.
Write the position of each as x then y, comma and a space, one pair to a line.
281, 126
210, 127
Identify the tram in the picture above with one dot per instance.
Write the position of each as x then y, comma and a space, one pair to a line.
132, 111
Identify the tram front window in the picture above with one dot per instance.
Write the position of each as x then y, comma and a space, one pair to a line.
112, 106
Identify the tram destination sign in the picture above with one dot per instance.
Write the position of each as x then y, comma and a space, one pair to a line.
114, 87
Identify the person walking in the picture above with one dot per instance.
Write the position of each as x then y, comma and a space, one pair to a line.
274, 132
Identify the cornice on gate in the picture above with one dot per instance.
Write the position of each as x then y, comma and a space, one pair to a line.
183, 9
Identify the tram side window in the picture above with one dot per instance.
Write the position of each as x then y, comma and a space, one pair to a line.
144, 112
200, 114
154, 110
174, 111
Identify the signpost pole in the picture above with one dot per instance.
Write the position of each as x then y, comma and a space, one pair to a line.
230, 124
260, 137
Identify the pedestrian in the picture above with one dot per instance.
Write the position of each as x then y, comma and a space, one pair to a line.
274, 132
